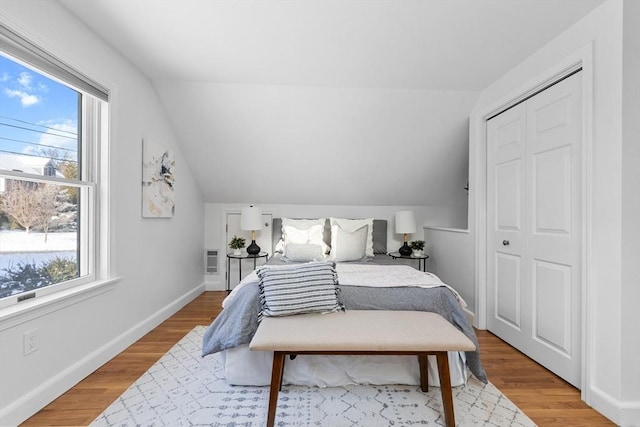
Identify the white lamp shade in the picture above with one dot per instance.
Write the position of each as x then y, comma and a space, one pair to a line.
405, 222
251, 218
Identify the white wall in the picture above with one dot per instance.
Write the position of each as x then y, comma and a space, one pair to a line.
630, 315
283, 144
451, 257
611, 379
160, 260
215, 216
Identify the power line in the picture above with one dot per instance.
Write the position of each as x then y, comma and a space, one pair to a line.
37, 131
38, 157
38, 144
36, 124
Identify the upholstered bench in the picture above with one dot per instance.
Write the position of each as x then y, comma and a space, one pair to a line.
362, 332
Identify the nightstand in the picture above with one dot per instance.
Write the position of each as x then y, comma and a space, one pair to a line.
422, 259
240, 257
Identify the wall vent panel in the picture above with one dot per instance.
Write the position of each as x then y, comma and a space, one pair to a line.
211, 261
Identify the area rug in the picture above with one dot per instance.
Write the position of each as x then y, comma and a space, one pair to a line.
185, 389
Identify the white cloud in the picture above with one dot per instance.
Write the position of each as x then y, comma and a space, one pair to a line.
57, 138
67, 126
26, 99
29, 100
68, 143
25, 79
25, 90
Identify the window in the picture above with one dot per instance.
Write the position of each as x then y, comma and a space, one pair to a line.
51, 121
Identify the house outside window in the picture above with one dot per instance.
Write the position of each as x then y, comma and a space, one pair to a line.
50, 168
50, 130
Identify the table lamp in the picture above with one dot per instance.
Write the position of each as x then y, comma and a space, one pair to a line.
251, 219
405, 224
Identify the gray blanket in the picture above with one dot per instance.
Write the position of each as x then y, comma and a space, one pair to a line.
238, 322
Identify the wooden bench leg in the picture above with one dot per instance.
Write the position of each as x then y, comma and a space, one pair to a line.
445, 388
424, 372
276, 383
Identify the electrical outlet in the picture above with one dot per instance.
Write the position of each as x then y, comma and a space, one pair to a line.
30, 341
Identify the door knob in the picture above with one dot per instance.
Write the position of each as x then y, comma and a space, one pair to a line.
505, 242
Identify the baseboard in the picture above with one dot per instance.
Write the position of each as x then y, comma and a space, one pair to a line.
630, 414
29, 404
625, 414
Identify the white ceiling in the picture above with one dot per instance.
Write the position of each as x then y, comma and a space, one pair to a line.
269, 85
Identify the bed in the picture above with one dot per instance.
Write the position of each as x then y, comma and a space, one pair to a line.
372, 282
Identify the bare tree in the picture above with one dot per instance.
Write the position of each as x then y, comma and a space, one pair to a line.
30, 203
47, 206
20, 201
52, 154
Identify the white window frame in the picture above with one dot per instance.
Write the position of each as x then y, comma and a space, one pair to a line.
93, 204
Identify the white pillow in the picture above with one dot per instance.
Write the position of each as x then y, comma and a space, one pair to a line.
352, 225
348, 245
308, 235
303, 252
302, 224
304, 231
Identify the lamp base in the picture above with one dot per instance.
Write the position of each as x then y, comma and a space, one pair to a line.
405, 250
254, 249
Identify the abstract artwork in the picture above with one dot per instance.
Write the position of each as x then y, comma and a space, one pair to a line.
158, 167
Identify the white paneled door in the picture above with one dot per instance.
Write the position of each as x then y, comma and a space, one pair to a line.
534, 227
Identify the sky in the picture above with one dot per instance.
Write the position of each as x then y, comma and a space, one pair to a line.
36, 114
47, 109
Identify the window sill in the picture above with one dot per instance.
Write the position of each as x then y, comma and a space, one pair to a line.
24, 312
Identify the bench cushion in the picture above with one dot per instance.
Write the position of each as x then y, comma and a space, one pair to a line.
360, 331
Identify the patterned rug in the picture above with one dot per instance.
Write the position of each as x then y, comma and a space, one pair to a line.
184, 389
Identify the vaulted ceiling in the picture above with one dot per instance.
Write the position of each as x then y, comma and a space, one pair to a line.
350, 102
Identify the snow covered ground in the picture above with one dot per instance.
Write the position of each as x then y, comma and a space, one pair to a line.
17, 246
20, 241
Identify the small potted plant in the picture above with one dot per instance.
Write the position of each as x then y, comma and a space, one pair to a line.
236, 244
417, 246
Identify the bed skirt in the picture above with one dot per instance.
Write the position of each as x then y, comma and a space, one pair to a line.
253, 368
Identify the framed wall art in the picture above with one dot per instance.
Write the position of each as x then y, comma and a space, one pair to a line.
158, 167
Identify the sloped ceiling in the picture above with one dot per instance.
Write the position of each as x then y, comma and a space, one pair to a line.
339, 102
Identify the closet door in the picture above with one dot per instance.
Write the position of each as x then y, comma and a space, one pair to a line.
506, 211
534, 227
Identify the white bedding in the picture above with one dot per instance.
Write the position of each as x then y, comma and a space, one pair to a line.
369, 275
245, 367
385, 276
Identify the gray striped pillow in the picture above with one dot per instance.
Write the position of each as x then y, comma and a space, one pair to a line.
300, 288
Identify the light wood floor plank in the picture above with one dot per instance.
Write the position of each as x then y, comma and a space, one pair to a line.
545, 398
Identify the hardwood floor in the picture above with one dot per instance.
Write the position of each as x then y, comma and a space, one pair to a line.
545, 398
